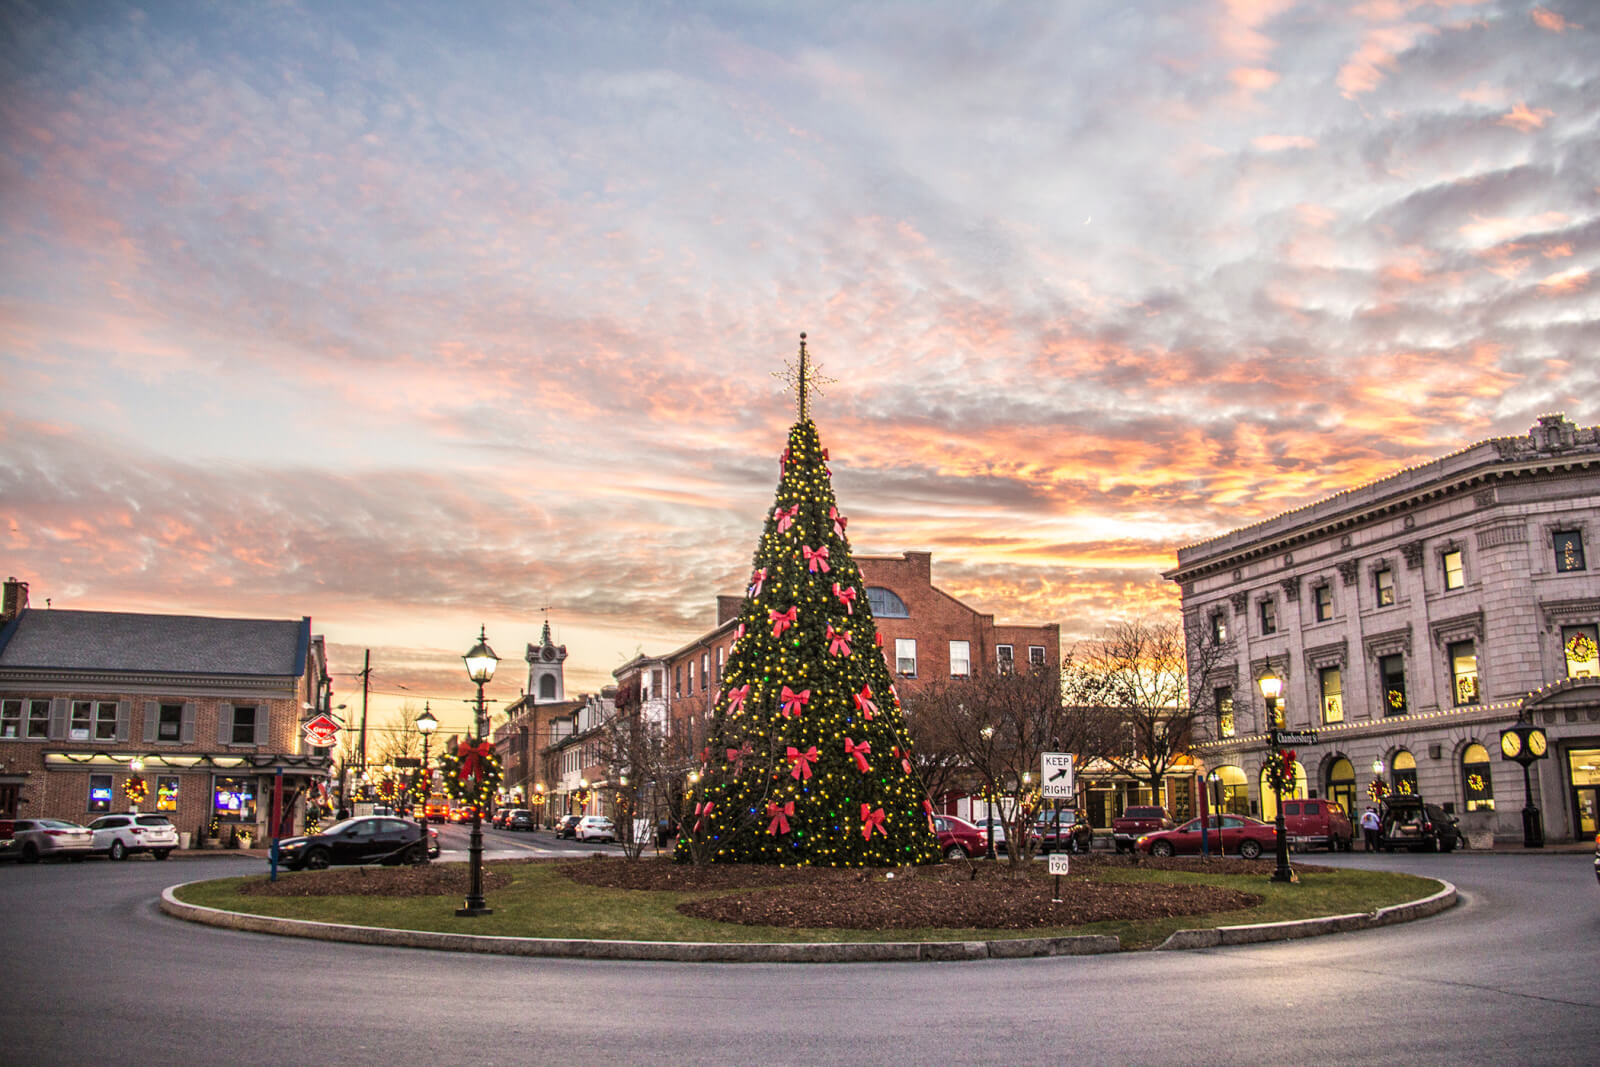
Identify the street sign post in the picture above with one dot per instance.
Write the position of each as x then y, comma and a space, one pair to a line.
1059, 864
1055, 774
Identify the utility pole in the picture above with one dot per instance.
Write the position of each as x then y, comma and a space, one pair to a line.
366, 685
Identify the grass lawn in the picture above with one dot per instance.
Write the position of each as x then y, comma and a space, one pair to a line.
542, 902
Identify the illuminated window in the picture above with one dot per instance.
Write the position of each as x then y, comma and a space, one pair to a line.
1404, 777
1323, 601
167, 793
1454, 576
905, 656
1392, 676
1464, 671
1383, 582
233, 799
1225, 723
99, 792
1580, 646
1269, 617
1332, 685
1569, 551
960, 659
1476, 784
1219, 629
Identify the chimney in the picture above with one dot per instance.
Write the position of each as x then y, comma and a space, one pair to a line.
16, 600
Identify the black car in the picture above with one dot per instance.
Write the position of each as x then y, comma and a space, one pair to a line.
519, 819
366, 839
1072, 826
568, 826
1409, 823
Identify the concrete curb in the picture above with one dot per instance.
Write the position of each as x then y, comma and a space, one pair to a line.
807, 952
1329, 924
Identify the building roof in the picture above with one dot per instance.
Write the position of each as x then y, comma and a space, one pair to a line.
154, 644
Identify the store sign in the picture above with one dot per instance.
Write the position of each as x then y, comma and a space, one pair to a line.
322, 732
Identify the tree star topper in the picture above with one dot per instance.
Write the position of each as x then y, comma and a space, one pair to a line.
803, 378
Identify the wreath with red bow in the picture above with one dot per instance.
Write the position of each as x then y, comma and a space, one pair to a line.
1280, 772
471, 774
137, 790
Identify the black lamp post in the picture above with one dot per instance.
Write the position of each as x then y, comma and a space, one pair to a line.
480, 663
426, 724
1271, 688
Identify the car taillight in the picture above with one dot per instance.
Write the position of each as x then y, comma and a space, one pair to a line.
56, 833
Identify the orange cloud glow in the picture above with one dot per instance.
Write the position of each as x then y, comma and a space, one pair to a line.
1524, 118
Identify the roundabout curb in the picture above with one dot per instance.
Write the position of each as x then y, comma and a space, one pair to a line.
798, 952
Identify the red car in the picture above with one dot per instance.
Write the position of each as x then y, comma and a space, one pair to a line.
1238, 835
958, 838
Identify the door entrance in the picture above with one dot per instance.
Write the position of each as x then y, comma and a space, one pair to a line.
1586, 804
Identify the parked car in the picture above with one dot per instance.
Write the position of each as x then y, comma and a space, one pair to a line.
568, 825
1410, 823
1239, 835
1318, 824
1064, 830
595, 828
121, 834
8, 843
37, 839
1135, 821
365, 839
519, 819
999, 826
498, 819
958, 838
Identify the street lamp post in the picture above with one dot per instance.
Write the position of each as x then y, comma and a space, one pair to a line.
426, 724
1271, 688
480, 663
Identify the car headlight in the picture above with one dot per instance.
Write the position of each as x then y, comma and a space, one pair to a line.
1143, 839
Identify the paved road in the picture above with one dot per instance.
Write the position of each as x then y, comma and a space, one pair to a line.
92, 972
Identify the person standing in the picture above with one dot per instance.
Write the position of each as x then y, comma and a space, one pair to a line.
1369, 828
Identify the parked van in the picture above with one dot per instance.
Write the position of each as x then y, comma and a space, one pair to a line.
1317, 824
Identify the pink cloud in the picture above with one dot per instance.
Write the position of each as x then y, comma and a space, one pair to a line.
1277, 142
1379, 51
1546, 19
1567, 281
1524, 118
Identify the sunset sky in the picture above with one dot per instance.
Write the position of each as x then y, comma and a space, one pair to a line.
416, 317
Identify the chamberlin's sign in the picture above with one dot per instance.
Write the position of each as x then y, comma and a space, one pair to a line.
1294, 737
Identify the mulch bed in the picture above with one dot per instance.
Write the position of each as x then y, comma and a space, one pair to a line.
427, 880
945, 896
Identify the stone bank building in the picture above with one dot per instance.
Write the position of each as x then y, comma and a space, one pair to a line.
1412, 620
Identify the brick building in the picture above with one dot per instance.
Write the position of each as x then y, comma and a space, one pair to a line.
1412, 620
211, 708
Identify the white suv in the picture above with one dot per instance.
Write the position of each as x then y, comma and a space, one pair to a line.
595, 827
125, 833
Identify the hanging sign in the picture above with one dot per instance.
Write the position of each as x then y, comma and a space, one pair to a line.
321, 731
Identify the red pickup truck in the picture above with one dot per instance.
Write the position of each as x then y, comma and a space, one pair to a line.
1136, 821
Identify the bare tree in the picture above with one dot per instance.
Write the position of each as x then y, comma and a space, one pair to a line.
635, 754
1134, 682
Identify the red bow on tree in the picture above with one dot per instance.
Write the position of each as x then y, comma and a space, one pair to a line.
757, 580
864, 703
816, 558
847, 597
779, 814
839, 522
860, 752
737, 697
838, 641
904, 758
794, 703
869, 819
786, 516
702, 812
472, 759
782, 620
783, 461
802, 762
736, 756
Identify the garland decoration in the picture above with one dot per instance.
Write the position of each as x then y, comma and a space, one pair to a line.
136, 789
1377, 789
471, 775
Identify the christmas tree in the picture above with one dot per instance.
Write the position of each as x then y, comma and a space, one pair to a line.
808, 761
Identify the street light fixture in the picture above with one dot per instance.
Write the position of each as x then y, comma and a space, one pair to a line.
426, 725
480, 661
1271, 689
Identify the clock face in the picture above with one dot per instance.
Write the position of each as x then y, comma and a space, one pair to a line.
1536, 742
1510, 743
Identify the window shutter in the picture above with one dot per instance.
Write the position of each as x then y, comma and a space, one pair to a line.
58, 719
224, 724
186, 728
263, 711
152, 717
124, 716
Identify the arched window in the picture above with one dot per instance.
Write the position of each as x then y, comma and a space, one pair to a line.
1342, 784
1476, 784
1403, 778
885, 604
1269, 801
1232, 791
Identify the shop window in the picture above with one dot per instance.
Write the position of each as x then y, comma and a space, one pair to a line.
1454, 573
885, 604
1269, 617
233, 799
1342, 785
1006, 658
905, 656
1569, 551
99, 792
1476, 784
1226, 727
1581, 647
960, 659
1464, 671
1331, 682
1036, 655
1392, 676
1383, 584
1322, 602
1403, 777
167, 792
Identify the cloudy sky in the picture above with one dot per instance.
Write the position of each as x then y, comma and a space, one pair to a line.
416, 317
